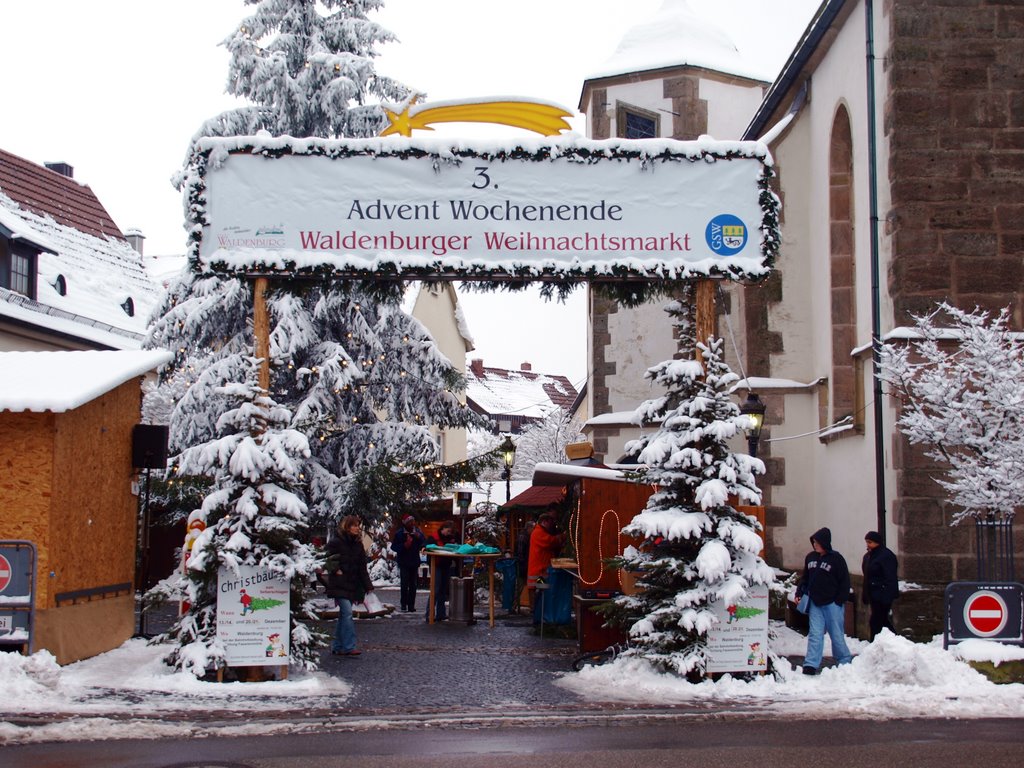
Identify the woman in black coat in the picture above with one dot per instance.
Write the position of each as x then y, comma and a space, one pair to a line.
881, 586
347, 581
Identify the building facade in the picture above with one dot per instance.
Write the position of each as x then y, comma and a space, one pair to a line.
897, 130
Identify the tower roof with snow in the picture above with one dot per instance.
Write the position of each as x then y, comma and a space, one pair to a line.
90, 285
675, 37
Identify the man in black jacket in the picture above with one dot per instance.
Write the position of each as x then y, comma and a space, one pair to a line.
826, 580
881, 585
406, 545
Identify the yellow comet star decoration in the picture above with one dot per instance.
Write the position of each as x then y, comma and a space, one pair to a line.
545, 119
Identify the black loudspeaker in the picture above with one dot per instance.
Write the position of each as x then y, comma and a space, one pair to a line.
149, 446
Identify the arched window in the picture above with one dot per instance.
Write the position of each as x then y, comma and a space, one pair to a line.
842, 269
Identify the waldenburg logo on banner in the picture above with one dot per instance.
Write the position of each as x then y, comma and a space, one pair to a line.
726, 234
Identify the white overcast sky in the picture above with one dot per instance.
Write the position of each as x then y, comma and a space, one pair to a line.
116, 88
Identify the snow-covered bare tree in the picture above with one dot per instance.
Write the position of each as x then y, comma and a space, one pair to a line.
959, 381
254, 514
696, 547
545, 441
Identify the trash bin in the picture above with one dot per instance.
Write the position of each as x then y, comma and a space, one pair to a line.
558, 597
507, 568
460, 599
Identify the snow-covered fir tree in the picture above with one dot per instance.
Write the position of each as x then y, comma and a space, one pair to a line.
696, 547
487, 527
363, 381
307, 66
254, 515
959, 382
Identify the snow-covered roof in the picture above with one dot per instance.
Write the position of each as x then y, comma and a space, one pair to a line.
60, 381
498, 391
100, 270
545, 473
674, 37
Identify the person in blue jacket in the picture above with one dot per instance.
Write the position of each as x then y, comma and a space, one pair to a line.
826, 580
881, 585
408, 542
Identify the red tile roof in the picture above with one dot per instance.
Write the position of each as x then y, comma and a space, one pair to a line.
499, 391
536, 496
49, 193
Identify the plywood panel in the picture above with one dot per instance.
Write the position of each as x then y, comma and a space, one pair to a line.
26, 472
79, 631
93, 522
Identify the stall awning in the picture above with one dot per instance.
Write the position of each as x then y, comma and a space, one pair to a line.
536, 496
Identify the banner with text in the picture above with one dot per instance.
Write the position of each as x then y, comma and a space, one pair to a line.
664, 209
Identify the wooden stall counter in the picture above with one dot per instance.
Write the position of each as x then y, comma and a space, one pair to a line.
488, 558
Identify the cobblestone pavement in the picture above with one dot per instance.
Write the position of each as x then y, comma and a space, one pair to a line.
410, 665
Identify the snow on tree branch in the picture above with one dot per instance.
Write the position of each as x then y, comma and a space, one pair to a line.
960, 387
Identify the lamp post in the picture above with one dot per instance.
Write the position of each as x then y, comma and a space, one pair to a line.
508, 451
755, 409
462, 500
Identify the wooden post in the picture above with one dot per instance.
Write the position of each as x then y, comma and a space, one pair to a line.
705, 314
261, 330
432, 559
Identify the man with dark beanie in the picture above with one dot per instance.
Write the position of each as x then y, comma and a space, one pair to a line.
826, 581
881, 586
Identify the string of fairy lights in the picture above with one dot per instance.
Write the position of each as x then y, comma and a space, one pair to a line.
574, 529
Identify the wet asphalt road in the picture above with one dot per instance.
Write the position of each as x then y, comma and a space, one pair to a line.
409, 665
700, 742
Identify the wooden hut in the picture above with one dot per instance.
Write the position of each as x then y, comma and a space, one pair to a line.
66, 420
602, 501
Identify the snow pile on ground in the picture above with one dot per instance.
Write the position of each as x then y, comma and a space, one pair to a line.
985, 650
134, 678
891, 677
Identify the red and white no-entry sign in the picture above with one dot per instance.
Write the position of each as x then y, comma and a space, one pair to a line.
5, 573
985, 613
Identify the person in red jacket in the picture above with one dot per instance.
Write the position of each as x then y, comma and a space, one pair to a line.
545, 543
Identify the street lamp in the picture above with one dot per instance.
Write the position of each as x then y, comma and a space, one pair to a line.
462, 500
755, 409
508, 451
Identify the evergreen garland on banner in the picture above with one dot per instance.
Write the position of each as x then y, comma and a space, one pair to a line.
696, 547
254, 515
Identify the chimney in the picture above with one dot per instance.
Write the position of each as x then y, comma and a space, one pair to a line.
477, 367
135, 238
62, 168
525, 367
